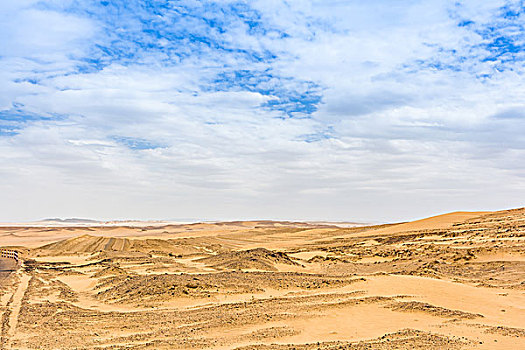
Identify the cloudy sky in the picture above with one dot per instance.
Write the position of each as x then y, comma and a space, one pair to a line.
338, 110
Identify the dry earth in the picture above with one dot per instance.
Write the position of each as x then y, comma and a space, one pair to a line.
455, 281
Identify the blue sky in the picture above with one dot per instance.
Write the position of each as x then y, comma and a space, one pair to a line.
334, 110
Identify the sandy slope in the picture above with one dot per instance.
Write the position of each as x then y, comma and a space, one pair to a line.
432, 223
453, 281
36, 236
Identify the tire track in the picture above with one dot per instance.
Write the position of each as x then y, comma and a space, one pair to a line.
14, 306
7, 266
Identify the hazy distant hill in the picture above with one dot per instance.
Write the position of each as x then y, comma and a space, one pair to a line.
72, 221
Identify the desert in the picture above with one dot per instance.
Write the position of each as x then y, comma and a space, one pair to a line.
268, 175
453, 281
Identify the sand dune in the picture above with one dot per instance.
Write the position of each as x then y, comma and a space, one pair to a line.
432, 223
256, 259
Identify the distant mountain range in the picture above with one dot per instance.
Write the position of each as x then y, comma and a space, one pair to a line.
72, 221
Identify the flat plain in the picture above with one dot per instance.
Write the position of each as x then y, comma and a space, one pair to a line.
454, 281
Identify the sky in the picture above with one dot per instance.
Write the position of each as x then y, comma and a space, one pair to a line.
349, 110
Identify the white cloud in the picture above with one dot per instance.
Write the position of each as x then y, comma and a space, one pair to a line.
405, 127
